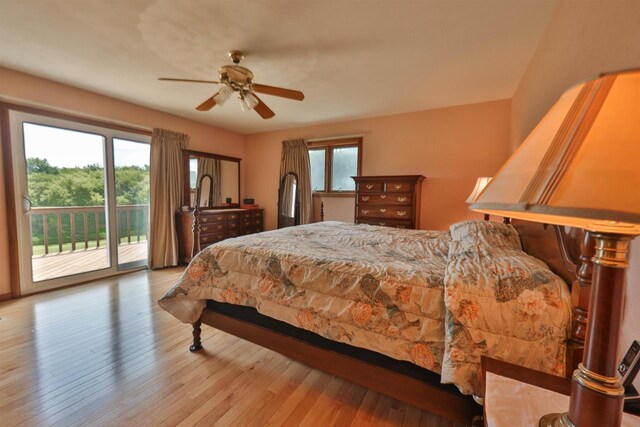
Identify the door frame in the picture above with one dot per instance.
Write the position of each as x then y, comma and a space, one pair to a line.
127, 131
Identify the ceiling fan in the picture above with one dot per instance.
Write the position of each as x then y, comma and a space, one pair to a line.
237, 79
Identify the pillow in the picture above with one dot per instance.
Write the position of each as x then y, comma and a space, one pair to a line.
486, 233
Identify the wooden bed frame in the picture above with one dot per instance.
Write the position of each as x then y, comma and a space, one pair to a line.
567, 253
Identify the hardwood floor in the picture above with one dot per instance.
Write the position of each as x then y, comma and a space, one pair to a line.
105, 354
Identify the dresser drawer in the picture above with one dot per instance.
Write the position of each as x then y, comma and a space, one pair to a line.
207, 239
212, 227
386, 222
385, 199
211, 217
252, 222
370, 187
397, 212
251, 214
233, 225
233, 216
398, 187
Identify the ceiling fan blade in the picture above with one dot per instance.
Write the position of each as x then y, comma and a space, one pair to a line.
264, 111
278, 91
168, 79
207, 105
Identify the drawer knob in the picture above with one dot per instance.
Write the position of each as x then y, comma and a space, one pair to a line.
365, 211
369, 186
220, 227
382, 210
204, 228
383, 224
402, 213
402, 199
383, 196
365, 198
205, 219
397, 186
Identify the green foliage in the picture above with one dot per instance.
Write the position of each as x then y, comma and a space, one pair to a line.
50, 186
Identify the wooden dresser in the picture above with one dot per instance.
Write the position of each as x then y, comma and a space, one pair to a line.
392, 201
215, 225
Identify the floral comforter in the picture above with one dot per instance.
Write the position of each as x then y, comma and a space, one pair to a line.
435, 298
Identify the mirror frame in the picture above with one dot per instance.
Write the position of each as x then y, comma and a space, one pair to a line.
186, 156
282, 223
199, 191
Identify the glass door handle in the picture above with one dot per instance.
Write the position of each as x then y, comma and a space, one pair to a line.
26, 205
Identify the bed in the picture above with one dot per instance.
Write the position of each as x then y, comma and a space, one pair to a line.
408, 313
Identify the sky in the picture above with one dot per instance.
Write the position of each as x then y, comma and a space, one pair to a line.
67, 148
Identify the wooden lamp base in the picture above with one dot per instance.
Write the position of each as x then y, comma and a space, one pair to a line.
596, 392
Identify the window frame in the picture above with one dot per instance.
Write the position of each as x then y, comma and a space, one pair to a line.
328, 145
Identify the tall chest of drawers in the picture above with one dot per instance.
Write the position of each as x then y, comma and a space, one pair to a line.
392, 201
215, 225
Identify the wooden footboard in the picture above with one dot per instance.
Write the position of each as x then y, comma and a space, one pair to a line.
426, 392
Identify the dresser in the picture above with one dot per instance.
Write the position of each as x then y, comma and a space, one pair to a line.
392, 201
215, 225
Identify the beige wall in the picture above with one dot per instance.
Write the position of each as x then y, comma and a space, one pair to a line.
450, 146
583, 40
22, 88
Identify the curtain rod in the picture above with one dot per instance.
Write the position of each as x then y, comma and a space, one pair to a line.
329, 138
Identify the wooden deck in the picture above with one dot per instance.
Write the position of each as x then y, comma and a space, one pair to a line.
80, 261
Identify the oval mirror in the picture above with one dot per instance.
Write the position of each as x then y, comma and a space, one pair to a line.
204, 192
288, 203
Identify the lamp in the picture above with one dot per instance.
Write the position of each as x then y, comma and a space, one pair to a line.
580, 167
223, 95
480, 184
247, 101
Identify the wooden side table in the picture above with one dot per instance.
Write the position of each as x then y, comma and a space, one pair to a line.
517, 396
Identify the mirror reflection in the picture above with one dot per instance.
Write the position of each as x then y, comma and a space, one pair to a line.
288, 204
223, 186
205, 191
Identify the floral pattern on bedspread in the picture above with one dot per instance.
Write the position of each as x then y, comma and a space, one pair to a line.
500, 302
437, 299
320, 277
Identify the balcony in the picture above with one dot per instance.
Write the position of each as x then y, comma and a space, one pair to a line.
72, 240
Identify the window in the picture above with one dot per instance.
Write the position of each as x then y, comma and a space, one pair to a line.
333, 163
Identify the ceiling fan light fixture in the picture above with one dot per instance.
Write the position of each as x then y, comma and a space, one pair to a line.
223, 95
251, 100
247, 101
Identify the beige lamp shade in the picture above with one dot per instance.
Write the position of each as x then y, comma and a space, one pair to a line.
580, 166
480, 184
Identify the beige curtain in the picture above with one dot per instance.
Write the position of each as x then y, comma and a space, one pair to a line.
166, 196
212, 167
295, 158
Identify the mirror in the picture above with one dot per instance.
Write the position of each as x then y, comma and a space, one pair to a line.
204, 191
220, 190
288, 201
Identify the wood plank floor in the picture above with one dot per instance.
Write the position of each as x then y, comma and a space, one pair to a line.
80, 261
105, 354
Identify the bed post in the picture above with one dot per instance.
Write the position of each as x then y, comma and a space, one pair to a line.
580, 293
197, 344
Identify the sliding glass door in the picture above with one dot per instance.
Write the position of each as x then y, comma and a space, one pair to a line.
82, 197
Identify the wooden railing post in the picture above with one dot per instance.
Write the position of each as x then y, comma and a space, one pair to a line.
45, 232
72, 222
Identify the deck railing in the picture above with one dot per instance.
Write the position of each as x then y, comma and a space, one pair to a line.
89, 223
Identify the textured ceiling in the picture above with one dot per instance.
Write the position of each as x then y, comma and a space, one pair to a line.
351, 58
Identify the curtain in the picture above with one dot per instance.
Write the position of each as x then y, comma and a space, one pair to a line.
166, 196
209, 166
295, 158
